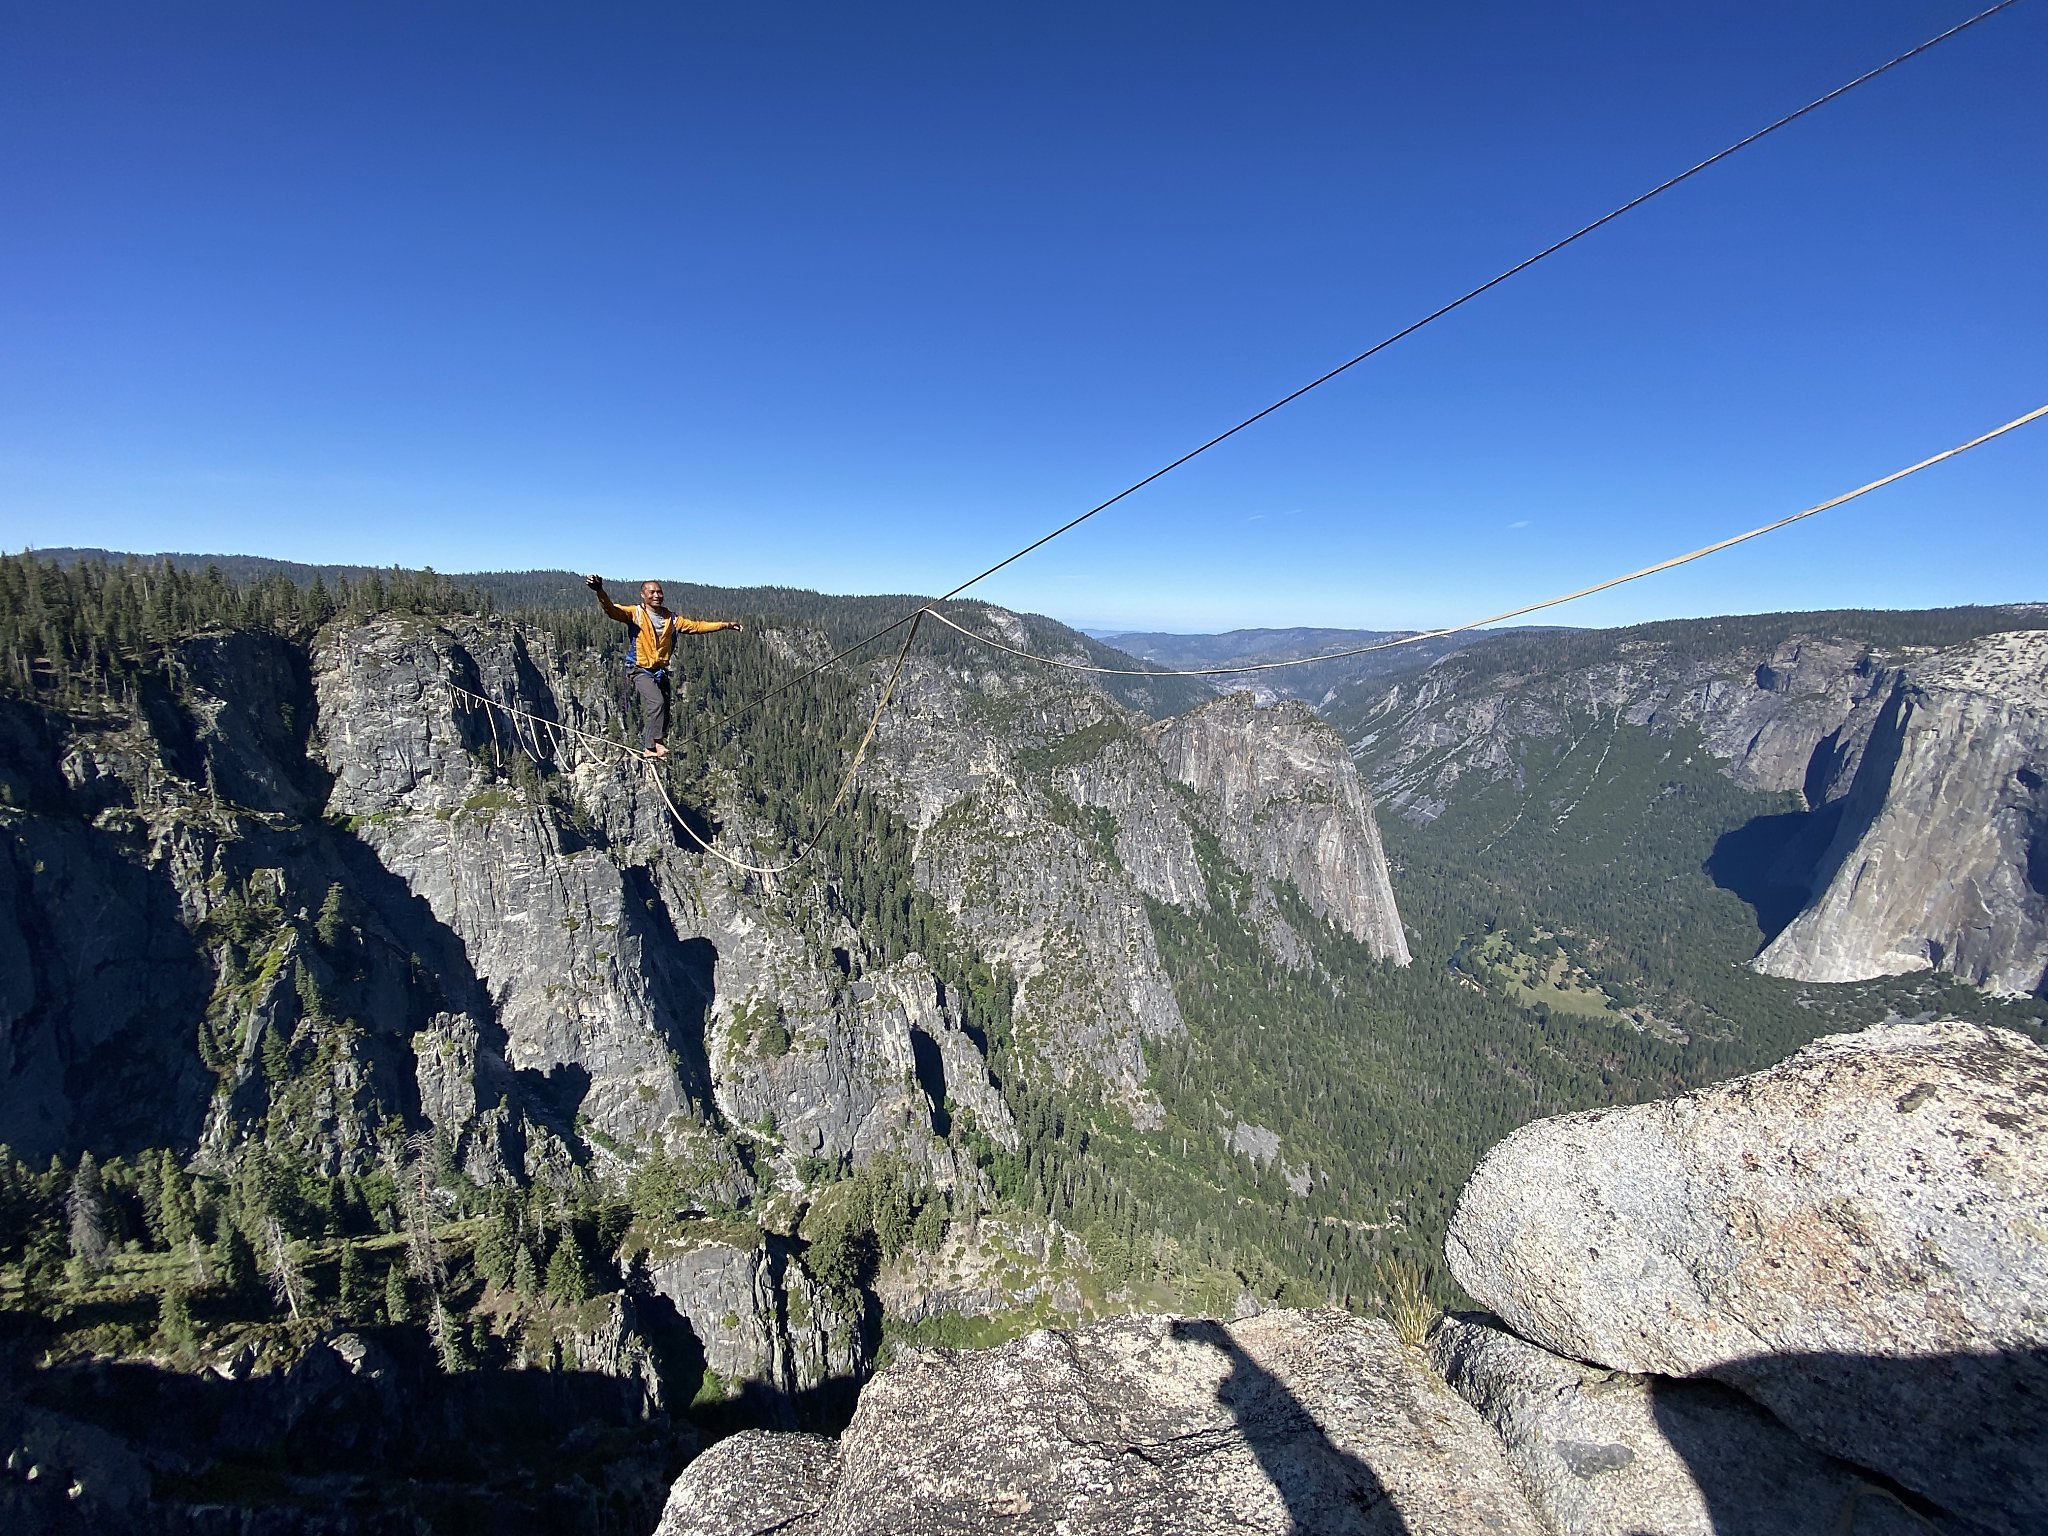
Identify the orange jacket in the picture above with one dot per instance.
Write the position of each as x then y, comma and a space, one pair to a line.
650, 649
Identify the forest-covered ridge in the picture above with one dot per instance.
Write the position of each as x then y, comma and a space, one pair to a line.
1685, 640
844, 618
250, 589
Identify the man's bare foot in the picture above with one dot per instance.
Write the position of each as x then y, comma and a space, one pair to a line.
658, 751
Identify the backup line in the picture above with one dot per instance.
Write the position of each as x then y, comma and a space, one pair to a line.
1513, 613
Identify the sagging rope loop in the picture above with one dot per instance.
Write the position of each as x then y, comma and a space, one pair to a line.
832, 811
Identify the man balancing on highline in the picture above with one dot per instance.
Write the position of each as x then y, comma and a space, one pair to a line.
654, 638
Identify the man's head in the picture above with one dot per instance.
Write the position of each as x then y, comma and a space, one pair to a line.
650, 594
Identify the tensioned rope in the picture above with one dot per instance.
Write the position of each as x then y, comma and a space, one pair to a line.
1513, 613
825, 821
1377, 347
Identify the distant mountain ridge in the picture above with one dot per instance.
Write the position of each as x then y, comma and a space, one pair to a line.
1237, 645
1314, 682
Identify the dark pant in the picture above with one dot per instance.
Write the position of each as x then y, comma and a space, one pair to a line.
653, 693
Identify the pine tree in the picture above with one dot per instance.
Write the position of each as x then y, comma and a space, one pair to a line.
281, 1263
42, 1264
277, 1053
525, 1274
175, 1333
85, 1208
313, 1000
353, 1284
261, 1187
237, 1263
149, 1185
397, 1297
330, 926
416, 1195
177, 1216
494, 1250
928, 1232
568, 1276
451, 1342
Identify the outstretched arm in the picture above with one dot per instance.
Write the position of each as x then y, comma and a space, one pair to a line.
705, 626
596, 584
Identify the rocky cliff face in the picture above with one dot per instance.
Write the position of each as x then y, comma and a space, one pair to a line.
298, 900
516, 966
613, 968
1046, 815
1277, 790
1791, 716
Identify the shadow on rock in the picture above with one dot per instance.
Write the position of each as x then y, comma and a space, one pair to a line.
1292, 1448
1989, 1468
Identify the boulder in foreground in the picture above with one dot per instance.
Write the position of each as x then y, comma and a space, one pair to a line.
1293, 1421
1856, 1238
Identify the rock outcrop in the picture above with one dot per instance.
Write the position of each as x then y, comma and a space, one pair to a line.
769, 1332
1940, 860
1856, 1239
1046, 817
1280, 793
1608, 1453
1291, 1421
754, 1481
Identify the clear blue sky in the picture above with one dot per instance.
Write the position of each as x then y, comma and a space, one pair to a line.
862, 297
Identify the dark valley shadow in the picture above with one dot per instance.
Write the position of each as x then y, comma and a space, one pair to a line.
683, 981
363, 1434
1777, 863
930, 1067
1770, 863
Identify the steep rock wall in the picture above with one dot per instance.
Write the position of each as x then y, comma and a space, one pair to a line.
1941, 857
1046, 815
1281, 794
1037, 888
546, 973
